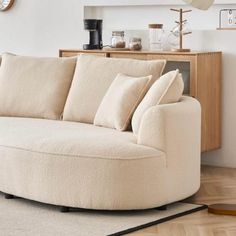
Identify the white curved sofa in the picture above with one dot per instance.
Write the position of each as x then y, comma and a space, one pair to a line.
74, 164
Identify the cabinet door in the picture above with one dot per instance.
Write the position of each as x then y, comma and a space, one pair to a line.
186, 65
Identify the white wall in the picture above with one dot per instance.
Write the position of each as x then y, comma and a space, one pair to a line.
34, 27
225, 41
40, 28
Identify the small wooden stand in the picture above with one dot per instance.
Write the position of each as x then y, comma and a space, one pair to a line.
181, 22
223, 209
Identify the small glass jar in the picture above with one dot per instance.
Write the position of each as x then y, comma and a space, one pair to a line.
118, 39
156, 35
135, 44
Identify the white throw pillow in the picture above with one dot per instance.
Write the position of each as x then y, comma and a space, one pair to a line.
167, 89
93, 77
120, 101
34, 87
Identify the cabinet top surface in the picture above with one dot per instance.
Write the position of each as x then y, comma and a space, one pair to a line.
192, 53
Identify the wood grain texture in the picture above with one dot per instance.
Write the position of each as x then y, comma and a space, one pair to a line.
223, 209
208, 92
205, 83
192, 53
218, 185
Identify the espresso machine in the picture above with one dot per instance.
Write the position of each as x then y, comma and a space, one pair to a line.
94, 26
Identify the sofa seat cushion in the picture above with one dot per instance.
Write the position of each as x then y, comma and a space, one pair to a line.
79, 165
70, 139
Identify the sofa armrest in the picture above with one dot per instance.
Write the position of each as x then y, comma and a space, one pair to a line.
176, 130
172, 125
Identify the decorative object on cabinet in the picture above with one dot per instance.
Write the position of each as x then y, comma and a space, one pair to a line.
118, 39
227, 19
94, 27
202, 75
156, 34
181, 29
200, 4
135, 44
6, 4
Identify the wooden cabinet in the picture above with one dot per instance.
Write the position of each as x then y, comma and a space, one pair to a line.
202, 77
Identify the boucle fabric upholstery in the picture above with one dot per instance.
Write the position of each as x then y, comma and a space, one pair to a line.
175, 129
34, 87
167, 89
70, 139
93, 77
81, 165
120, 101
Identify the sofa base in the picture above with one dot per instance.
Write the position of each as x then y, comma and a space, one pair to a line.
65, 209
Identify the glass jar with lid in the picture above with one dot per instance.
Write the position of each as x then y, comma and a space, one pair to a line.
118, 39
135, 44
156, 35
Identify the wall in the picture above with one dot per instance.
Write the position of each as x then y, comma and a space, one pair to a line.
42, 27
225, 41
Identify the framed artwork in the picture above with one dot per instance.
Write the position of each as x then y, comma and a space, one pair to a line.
6, 4
227, 19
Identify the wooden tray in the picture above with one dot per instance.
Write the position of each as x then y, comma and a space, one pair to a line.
116, 49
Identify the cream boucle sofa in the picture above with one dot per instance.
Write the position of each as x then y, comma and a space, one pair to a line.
75, 164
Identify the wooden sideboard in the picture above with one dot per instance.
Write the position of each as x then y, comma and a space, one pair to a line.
203, 81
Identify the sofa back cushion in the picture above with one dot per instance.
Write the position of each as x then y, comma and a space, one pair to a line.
34, 87
93, 77
167, 89
120, 101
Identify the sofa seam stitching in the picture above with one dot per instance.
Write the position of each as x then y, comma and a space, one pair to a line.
80, 156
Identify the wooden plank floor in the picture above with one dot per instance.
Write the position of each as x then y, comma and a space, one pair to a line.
218, 185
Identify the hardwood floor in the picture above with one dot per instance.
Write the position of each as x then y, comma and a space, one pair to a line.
218, 185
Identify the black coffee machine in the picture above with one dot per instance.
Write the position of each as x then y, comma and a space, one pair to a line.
94, 27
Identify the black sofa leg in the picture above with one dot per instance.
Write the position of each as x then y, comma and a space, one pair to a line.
162, 208
9, 196
64, 209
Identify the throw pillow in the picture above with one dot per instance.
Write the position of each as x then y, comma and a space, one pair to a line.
120, 101
34, 87
93, 77
167, 89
